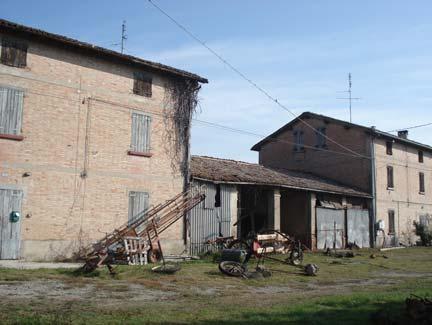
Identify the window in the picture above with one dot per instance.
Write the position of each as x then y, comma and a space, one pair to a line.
420, 156
321, 138
11, 103
390, 182
140, 141
13, 53
138, 203
142, 84
391, 221
389, 148
218, 196
298, 140
421, 183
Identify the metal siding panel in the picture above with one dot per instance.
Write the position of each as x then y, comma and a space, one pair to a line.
326, 219
358, 227
204, 222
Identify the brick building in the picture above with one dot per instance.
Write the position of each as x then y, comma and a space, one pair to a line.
396, 171
85, 142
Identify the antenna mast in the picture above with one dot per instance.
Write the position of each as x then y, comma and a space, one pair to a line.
124, 36
350, 98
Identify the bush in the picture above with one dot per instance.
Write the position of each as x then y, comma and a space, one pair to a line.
424, 232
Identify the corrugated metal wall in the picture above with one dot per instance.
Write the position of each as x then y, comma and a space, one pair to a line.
206, 220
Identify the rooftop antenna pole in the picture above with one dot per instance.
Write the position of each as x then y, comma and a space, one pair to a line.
124, 36
350, 98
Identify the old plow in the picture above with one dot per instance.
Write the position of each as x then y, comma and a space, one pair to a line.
146, 226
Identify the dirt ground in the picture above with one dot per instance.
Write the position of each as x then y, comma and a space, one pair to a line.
199, 293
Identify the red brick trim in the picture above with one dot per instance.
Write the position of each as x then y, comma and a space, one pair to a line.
11, 137
141, 154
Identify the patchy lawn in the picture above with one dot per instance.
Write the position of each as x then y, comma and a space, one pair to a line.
347, 290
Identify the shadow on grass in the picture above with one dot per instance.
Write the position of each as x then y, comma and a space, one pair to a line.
326, 313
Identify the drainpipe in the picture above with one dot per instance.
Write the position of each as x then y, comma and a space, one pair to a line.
373, 181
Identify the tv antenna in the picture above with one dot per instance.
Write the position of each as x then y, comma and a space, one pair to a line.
350, 98
124, 36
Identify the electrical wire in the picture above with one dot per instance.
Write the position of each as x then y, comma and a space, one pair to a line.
251, 82
411, 127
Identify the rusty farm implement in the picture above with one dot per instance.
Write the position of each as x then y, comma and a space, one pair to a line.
145, 229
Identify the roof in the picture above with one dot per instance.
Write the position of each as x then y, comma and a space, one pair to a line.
34, 33
238, 172
370, 130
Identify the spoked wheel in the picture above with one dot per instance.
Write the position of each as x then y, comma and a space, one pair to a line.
296, 257
238, 244
232, 268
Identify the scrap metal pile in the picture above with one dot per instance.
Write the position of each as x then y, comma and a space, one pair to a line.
147, 226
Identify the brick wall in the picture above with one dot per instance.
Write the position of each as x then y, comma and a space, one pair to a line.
64, 132
404, 199
346, 169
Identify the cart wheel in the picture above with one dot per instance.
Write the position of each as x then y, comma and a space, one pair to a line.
238, 244
232, 268
296, 257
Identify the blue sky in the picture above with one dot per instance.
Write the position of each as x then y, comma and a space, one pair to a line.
299, 51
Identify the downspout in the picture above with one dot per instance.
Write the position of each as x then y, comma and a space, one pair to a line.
373, 181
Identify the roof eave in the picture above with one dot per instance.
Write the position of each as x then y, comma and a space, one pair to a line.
284, 186
12, 27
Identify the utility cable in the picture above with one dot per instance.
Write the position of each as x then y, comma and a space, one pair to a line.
251, 82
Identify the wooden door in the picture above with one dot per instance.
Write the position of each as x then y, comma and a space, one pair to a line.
10, 228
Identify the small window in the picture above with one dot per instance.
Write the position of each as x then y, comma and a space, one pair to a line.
140, 140
391, 221
298, 140
389, 148
138, 204
421, 183
390, 181
13, 53
142, 84
321, 138
420, 156
218, 196
11, 106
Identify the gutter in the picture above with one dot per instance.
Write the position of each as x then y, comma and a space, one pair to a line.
373, 181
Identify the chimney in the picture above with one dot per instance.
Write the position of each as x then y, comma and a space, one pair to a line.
403, 134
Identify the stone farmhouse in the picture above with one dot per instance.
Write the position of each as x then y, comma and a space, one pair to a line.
87, 140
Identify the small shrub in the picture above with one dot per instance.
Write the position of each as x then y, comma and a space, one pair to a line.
424, 232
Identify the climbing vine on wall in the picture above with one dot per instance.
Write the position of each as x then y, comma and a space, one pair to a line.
181, 101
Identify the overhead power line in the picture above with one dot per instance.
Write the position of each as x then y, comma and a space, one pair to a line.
251, 82
411, 127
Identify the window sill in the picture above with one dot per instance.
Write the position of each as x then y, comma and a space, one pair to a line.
11, 137
390, 188
140, 154
422, 193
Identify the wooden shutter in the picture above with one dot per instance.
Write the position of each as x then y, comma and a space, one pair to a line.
138, 203
421, 182
320, 138
142, 84
14, 53
389, 148
391, 219
11, 103
390, 182
141, 125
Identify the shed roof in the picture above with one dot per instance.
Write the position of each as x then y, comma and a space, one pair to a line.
88, 48
238, 172
370, 130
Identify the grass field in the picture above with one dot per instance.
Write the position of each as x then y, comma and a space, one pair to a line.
346, 290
